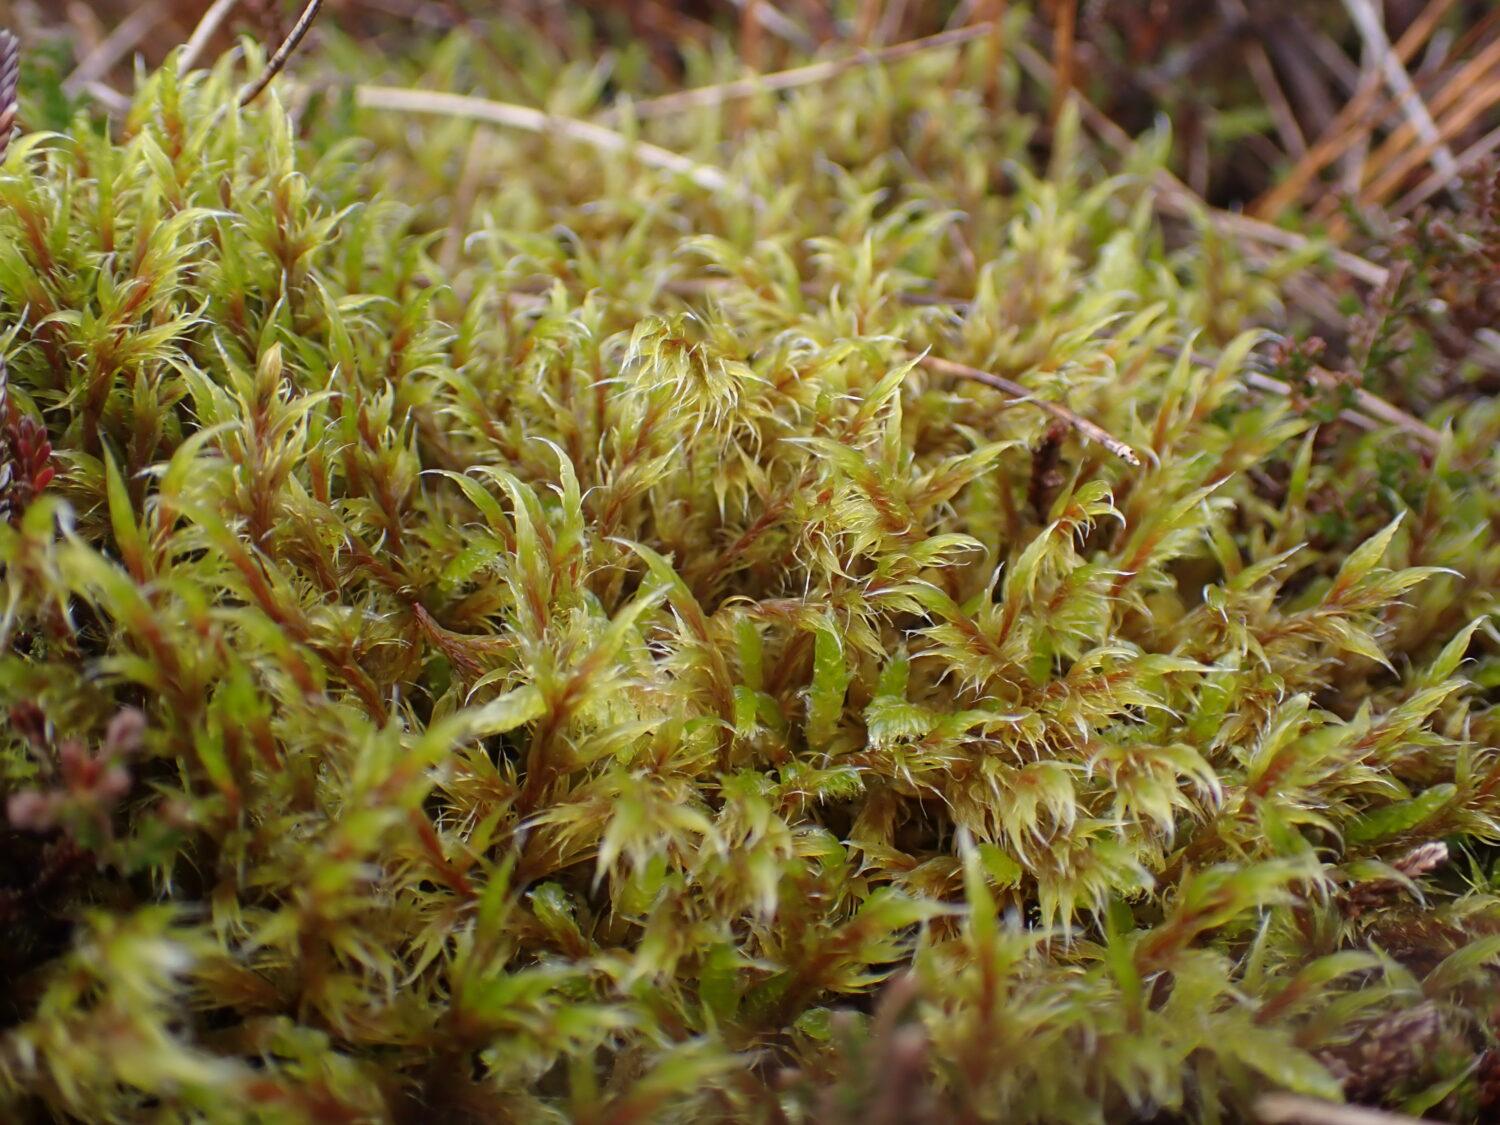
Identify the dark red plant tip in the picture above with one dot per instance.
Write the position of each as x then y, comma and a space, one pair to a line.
25, 455
78, 767
30, 722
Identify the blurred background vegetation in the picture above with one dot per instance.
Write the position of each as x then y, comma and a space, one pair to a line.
1378, 101
1346, 120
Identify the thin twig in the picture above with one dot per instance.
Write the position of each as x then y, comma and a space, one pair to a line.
1345, 73
284, 52
1352, 164
1308, 83
10, 83
890, 22
750, 35
208, 26
1370, 410
1294, 1109
536, 121
1017, 391
88, 31
799, 76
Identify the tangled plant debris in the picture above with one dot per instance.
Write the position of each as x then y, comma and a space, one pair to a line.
496, 629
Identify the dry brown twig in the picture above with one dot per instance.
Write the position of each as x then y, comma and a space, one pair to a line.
10, 82
751, 40
114, 47
1264, 75
1376, 407
1016, 391
1260, 381
284, 52
1180, 200
798, 76
1370, 411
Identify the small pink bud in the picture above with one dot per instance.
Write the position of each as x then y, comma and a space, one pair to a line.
114, 784
30, 811
125, 731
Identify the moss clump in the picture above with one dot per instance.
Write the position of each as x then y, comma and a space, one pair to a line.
514, 635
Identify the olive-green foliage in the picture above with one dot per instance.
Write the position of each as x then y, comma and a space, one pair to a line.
581, 651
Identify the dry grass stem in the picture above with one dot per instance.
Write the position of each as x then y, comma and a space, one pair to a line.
1371, 29
1352, 122
538, 121
203, 34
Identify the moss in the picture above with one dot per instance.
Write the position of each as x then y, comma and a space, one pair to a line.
515, 635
